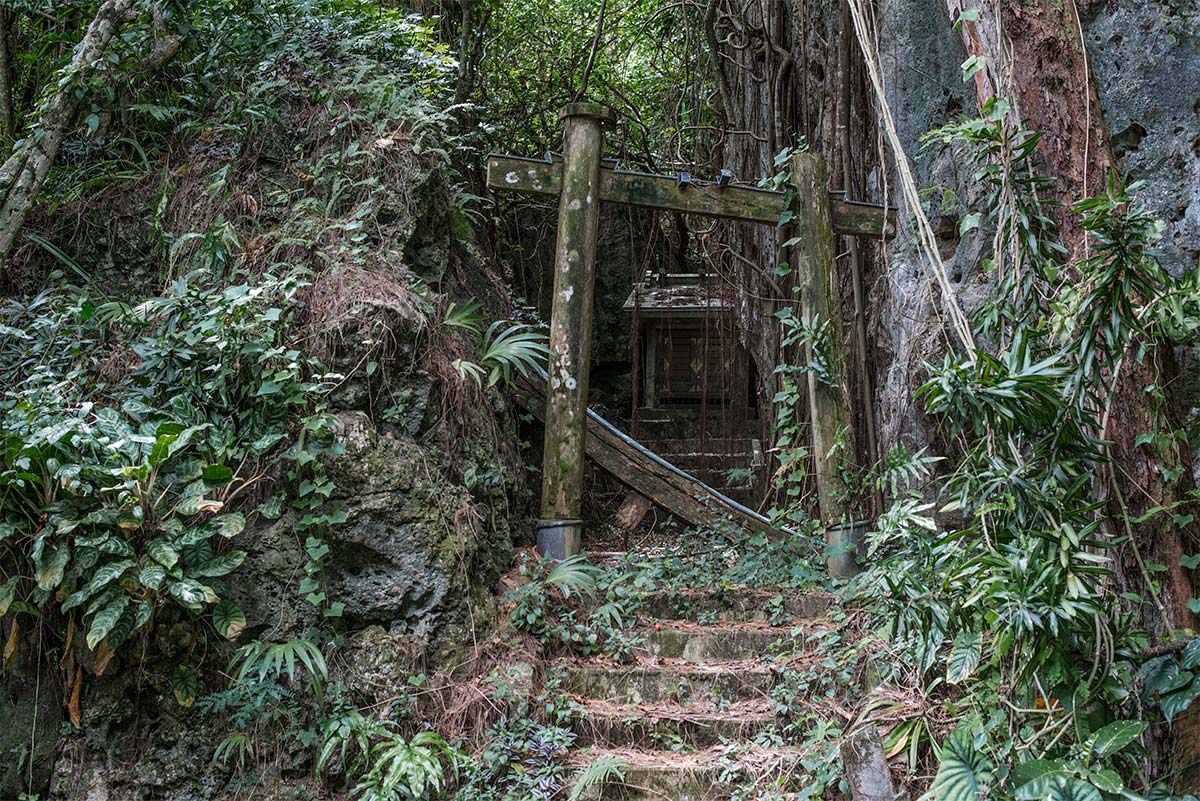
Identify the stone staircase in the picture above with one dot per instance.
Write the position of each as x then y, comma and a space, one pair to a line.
683, 715
711, 461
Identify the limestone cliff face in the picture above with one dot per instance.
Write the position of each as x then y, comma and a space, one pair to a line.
1146, 58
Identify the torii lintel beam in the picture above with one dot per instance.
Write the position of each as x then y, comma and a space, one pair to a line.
535, 176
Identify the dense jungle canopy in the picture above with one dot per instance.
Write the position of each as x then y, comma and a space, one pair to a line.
886, 313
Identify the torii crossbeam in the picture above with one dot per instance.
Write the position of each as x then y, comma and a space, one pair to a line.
581, 182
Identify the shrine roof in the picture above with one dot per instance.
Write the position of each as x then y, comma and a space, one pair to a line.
682, 296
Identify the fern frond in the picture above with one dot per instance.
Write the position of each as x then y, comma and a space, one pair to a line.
574, 574
604, 770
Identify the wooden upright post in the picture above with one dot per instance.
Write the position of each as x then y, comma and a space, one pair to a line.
560, 530
817, 276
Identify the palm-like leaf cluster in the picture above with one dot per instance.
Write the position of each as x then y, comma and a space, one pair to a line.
506, 349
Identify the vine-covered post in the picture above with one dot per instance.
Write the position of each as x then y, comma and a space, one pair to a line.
560, 530
820, 308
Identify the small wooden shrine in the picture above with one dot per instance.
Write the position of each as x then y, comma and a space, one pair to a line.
689, 354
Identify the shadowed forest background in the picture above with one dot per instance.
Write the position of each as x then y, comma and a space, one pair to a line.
270, 450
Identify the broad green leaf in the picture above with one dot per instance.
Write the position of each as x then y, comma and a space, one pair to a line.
229, 620
8, 591
1115, 736
195, 504
229, 525
1190, 657
219, 566
1175, 702
1108, 781
116, 546
75, 599
197, 549
271, 508
1174, 679
964, 656
142, 616
50, 567
152, 576
121, 629
964, 773
192, 594
161, 448
105, 619
265, 442
972, 65
106, 574
184, 686
163, 552
1032, 779
1161, 674
1073, 790
217, 474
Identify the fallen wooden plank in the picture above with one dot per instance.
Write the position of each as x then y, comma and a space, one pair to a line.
650, 475
702, 198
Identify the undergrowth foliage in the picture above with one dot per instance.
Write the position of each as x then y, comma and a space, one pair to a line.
1005, 622
134, 439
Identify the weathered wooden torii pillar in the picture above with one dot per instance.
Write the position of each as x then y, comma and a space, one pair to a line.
581, 181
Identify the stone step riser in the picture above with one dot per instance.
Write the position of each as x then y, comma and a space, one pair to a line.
706, 461
709, 645
639, 685
680, 784
734, 606
666, 733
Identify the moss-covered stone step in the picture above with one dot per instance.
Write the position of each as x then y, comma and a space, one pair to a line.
705, 775
668, 681
700, 643
735, 604
671, 725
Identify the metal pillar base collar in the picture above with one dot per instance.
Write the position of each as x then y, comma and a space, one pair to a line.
559, 539
844, 542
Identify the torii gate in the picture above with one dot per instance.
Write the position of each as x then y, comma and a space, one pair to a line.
581, 183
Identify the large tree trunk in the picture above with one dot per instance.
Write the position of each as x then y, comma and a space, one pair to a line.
22, 175
8, 118
1037, 60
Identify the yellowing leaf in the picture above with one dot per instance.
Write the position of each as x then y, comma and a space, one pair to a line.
104, 655
74, 713
10, 647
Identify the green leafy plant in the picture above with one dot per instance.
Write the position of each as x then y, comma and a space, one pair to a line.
599, 771
126, 490
265, 702
506, 349
1003, 616
1172, 681
380, 764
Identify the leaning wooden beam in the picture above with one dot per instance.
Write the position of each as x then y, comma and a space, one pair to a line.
701, 198
648, 474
